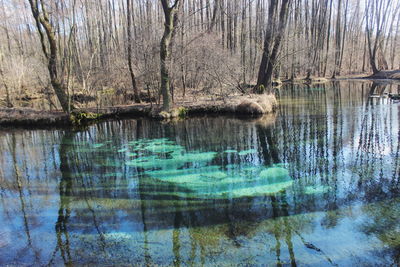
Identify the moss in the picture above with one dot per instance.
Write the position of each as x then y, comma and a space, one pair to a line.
164, 115
182, 112
80, 118
260, 89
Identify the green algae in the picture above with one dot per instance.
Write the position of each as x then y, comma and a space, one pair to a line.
228, 193
151, 142
196, 157
177, 172
275, 174
319, 189
195, 178
213, 183
202, 179
247, 152
260, 190
98, 145
163, 148
175, 162
169, 167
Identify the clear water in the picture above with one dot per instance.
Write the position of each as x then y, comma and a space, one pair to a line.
315, 185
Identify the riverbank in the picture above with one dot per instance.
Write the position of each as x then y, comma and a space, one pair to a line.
387, 75
248, 105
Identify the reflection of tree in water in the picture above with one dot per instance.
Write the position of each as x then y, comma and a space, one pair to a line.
330, 137
18, 180
64, 211
383, 223
326, 140
317, 139
234, 219
375, 151
24, 179
74, 169
341, 147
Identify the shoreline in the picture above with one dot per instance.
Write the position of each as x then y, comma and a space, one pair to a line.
242, 105
249, 106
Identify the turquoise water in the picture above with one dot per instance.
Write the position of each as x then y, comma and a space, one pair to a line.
315, 185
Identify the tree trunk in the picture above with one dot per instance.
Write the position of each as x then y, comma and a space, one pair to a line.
169, 25
375, 23
214, 15
42, 20
130, 64
8, 98
272, 44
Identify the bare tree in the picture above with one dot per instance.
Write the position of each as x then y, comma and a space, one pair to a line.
376, 12
104, 48
170, 15
43, 22
130, 64
272, 43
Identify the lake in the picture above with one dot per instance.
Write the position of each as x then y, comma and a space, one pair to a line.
316, 184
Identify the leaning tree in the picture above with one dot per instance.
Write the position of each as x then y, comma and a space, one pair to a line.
48, 42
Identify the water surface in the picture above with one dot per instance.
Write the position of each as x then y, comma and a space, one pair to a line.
315, 185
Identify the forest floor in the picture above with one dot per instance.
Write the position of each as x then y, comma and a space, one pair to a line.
248, 105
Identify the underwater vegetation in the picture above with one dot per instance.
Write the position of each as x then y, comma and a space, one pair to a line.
174, 171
